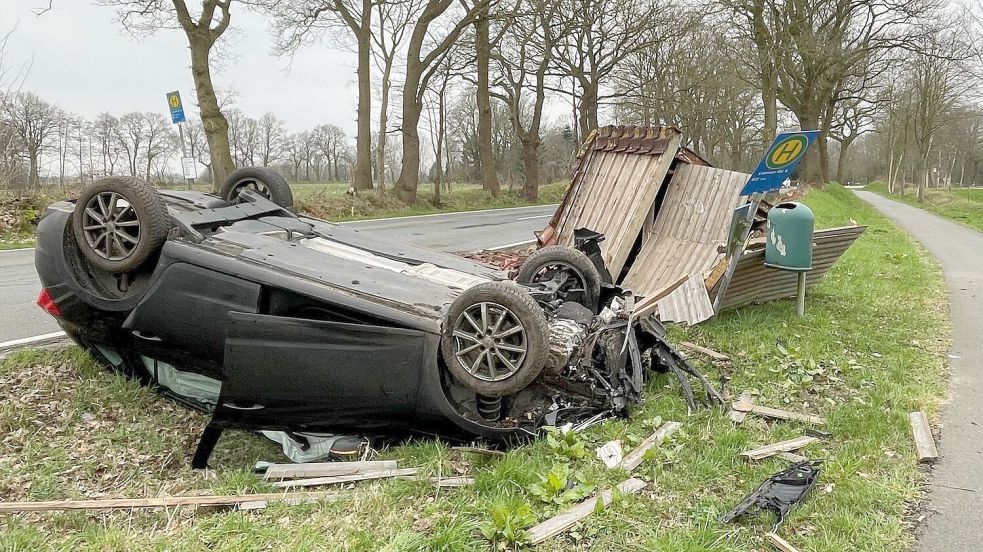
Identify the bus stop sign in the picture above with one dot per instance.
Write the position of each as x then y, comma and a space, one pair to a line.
176, 107
779, 161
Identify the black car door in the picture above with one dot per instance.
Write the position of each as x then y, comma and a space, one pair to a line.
281, 371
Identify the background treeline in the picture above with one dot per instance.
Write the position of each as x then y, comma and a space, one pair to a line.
501, 92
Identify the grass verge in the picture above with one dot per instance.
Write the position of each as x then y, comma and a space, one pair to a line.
868, 351
964, 206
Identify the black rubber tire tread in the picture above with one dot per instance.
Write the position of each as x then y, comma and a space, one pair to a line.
280, 192
570, 256
154, 219
533, 320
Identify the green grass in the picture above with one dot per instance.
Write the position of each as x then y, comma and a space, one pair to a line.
868, 351
964, 206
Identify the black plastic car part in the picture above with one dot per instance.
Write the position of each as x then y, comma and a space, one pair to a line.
779, 492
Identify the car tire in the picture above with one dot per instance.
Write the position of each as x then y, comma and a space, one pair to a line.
544, 262
508, 347
267, 182
119, 237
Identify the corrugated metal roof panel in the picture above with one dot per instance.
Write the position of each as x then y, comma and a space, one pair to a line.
753, 282
687, 304
691, 224
616, 181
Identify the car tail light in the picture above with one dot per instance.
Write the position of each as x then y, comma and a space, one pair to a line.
48, 304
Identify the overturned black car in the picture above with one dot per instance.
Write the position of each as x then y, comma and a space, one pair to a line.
234, 305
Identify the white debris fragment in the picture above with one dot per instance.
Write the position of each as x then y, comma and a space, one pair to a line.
610, 453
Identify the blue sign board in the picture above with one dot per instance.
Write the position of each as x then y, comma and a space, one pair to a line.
176, 107
779, 161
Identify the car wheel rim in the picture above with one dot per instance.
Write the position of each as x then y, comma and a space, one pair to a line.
570, 282
490, 341
252, 185
111, 226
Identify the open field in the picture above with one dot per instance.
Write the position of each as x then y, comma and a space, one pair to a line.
328, 201
962, 205
869, 350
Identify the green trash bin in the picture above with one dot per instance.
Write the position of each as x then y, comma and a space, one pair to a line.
789, 237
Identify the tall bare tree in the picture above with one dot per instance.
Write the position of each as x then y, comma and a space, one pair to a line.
300, 21
203, 28
420, 68
34, 123
392, 21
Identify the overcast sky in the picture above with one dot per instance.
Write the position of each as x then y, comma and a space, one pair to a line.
84, 62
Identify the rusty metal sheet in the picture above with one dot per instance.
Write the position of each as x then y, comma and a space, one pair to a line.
753, 282
691, 224
615, 184
687, 304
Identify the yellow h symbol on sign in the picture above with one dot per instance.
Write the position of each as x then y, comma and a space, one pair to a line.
787, 152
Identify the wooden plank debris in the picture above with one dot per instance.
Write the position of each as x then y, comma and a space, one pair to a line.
781, 544
326, 469
706, 351
740, 409
314, 481
479, 450
768, 412
924, 442
452, 481
782, 446
635, 457
568, 518
165, 501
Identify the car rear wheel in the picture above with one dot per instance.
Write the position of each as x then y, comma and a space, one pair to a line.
267, 182
573, 273
495, 339
119, 222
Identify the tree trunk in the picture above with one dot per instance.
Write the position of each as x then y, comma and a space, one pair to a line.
588, 109
215, 125
530, 164
409, 173
489, 178
810, 171
33, 180
841, 162
383, 122
362, 172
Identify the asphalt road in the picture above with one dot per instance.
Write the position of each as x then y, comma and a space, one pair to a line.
452, 232
955, 500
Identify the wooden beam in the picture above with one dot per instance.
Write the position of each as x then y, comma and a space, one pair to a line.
649, 303
326, 469
165, 501
781, 544
478, 450
706, 351
636, 456
452, 481
344, 478
775, 448
743, 405
777, 413
924, 442
568, 518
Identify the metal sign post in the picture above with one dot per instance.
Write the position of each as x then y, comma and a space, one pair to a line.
188, 166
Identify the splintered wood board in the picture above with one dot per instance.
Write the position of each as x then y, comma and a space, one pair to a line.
924, 442
568, 518
775, 448
768, 412
326, 469
165, 501
344, 478
741, 408
635, 457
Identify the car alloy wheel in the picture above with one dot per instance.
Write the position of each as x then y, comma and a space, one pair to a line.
490, 341
111, 226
